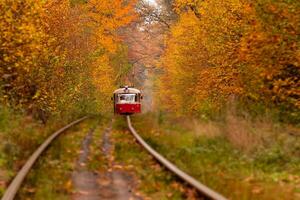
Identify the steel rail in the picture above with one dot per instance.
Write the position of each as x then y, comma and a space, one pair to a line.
185, 177
14, 186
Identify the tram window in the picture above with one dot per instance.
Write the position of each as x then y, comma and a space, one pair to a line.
127, 98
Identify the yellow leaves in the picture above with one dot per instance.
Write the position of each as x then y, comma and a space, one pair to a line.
110, 15
109, 43
68, 186
103, 75
200, 59
49, 47
6, 58
266, 50
231, 50
37, 94
183, 4
20, 39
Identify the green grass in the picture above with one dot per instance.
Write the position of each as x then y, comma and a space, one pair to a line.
265, 173
19, 136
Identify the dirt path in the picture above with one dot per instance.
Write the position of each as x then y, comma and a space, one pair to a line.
84, 181
114, 184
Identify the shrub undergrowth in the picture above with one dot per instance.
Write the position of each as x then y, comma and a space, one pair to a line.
239, 157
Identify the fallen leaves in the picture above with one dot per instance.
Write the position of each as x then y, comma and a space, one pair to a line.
257, 190
2, 183
68, 185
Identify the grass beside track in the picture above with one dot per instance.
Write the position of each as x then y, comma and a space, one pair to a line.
20, 136
154, 181
265, 174
51, 177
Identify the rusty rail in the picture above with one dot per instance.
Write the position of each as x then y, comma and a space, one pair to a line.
203, 189
14, 186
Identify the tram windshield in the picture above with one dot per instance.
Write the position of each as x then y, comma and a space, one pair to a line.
127, 98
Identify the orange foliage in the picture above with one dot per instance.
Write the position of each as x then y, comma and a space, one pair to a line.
56, 56
111, 15
233, 48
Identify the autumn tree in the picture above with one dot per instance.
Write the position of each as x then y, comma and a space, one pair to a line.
232, 49
23, 47
59, 56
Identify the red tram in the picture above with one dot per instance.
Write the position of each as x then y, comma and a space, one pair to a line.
127, 100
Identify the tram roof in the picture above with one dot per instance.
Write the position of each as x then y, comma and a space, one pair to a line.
128, 91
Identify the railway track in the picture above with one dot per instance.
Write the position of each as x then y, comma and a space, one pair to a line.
13, 188
201, 188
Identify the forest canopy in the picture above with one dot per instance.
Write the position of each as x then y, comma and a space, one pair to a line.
233, 50
61, 56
